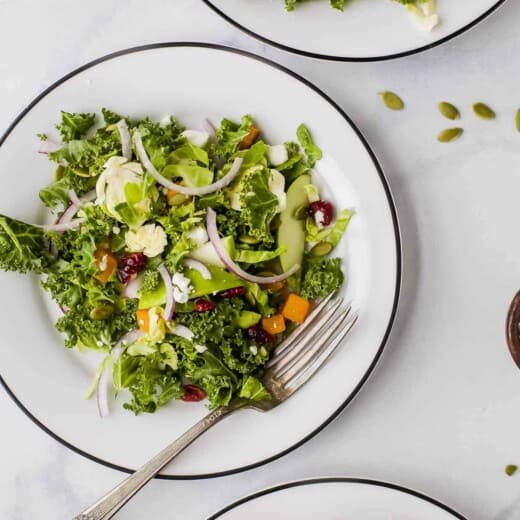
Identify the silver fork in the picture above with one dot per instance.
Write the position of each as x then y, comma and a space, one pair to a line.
293, 363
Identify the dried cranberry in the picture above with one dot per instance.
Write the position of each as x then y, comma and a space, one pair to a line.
130, 265
193, 394
231, 293
260, 335
202, 305
321, 211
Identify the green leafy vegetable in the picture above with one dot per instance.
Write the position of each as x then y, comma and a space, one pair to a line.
151, 279
229, 137
75, 126
110, 117
151, 383
248, 256
23, 247
331, 234
254, 390
311, 150
56, 194
322, 276
84, 332
259, 205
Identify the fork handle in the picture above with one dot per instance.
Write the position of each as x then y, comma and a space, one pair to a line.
107, 506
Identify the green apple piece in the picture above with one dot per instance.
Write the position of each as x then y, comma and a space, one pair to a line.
153, 298
247, 319
207, 255
291, 233
221, 280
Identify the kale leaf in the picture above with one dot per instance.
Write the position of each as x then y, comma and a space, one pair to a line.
322, 276
75, 126
150, 382
23, 247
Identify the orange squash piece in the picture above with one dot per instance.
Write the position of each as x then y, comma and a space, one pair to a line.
274, 325
249, 139
296, 308
106, 263
143, 319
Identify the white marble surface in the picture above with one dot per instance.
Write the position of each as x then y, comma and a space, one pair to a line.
440, 413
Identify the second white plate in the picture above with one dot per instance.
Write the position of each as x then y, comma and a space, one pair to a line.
338, 499
368, 30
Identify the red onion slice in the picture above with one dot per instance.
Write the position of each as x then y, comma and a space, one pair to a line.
184, 190
126, 140
132, 288
198, 266
104, 379
102, 394
211, 224
74, 199
49, 146
209, 127
68, 214
65, 222
169, 308
64, 226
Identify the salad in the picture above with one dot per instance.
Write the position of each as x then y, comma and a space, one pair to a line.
424, 11
183, 256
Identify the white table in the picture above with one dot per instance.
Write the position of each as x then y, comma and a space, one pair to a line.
441, 412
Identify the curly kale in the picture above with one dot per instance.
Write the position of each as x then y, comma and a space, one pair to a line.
229, 137
151, 280
259, 205
78, 246
84, 331
75, 126
322, 276
228, 352
110, 117
160, 139
150, 382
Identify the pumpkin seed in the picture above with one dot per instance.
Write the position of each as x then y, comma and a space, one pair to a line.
58, 174
248, 239
449, 135
449, 111
301, 212
511, 469
483, 111
80, 172
392, 100
177, 199
518, 119
321, 249
102, 311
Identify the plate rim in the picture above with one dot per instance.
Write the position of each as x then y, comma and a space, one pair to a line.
391, 206
328, 480
368, 59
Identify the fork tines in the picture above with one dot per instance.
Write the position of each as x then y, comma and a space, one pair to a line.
304, 351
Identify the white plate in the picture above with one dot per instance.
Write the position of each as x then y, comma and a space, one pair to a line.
368, 30
337, 499
194, 81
